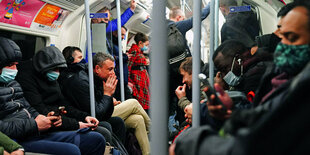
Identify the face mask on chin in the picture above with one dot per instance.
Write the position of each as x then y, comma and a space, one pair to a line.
8, 75
291, 58
230, 78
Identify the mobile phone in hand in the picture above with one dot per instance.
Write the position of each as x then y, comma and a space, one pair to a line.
216, 100
59, 111
207, 94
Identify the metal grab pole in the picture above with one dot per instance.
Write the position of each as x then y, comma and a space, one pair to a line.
216, 24
159, 76
120, 52
196, 63
90, 62
212, 29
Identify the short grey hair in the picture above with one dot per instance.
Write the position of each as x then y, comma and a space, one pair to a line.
176, 11
100, 58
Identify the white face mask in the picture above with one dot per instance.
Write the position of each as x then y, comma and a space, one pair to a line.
230, 78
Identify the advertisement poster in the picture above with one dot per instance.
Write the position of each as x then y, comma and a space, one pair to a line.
50, 18
19, 12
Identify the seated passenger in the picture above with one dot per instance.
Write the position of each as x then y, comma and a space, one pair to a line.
238, 69
105, 82
38, 78
77, 71
138, 75
19, 121
277, 124
177, 17
9, 146
269, 42
184, 98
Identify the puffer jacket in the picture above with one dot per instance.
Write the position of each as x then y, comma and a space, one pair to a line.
16, 115
44, 95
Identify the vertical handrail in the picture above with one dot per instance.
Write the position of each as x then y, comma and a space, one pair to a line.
212, 29
159, 76
196, 63
216, 24
90, 61
183, 5
120, 52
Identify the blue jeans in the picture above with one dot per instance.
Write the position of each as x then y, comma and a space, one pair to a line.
67, 143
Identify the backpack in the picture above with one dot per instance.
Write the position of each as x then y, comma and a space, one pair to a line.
118, 147
132, 144
176, 46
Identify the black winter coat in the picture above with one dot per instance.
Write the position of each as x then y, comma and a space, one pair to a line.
280, 125
242, 26
44, 95
74, 82
16, 115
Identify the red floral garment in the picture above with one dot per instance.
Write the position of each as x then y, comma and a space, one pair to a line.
139, 76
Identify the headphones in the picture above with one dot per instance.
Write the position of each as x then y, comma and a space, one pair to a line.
70, 59
67, 52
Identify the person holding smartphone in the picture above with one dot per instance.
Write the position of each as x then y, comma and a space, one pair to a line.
32, 130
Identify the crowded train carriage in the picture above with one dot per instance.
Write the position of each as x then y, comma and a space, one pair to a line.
158, 77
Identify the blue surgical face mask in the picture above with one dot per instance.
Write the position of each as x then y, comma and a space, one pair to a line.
8, 75
230, 78
144, 48
291, 58
52, 75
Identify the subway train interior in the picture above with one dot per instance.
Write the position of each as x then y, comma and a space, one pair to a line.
198, 68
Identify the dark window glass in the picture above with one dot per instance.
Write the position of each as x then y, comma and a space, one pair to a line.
28, 44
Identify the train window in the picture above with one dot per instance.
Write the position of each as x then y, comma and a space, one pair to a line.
27, 43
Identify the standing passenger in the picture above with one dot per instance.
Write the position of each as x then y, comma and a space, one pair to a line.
112, 25
138, 74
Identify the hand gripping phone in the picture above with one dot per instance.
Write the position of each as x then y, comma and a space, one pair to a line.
207, 94
59, 111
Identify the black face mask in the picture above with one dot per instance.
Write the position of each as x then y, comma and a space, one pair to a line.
83, 61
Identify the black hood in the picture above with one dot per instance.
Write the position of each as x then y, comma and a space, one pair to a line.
9, 52
48, 58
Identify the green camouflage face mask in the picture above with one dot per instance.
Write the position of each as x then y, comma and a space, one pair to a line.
291, 58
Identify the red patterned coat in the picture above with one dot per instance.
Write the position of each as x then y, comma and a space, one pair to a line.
139, 76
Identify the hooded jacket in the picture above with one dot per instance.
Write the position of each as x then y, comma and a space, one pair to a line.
16, 115
44, 95
9, 52
242, 26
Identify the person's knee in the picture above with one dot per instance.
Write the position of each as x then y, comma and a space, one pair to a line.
96, 138
135, 104
135, 121
71, 149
